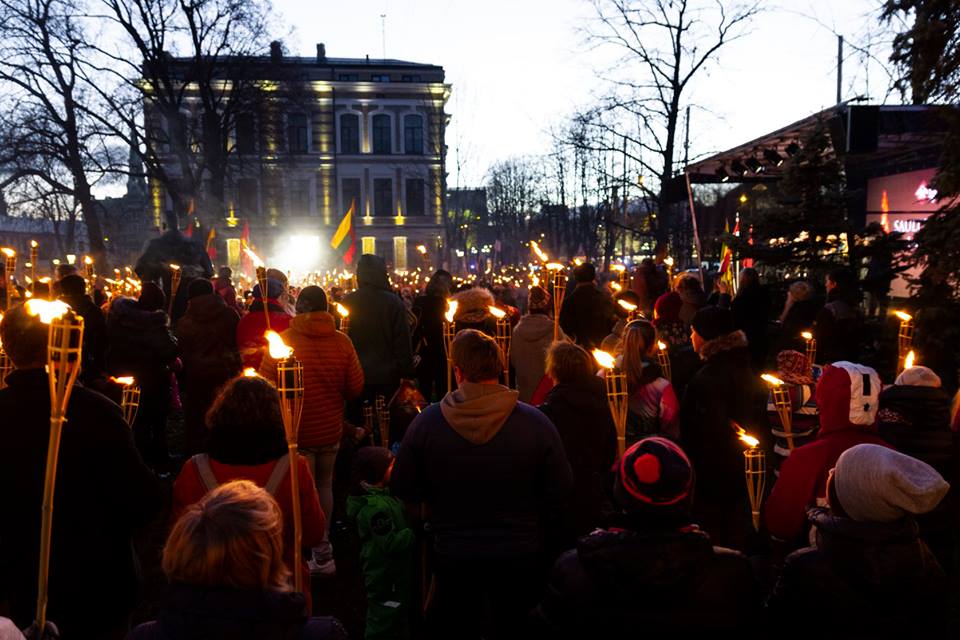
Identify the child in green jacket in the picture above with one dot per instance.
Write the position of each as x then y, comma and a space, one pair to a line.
387, 544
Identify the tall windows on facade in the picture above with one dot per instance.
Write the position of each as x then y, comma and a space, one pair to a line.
368, 244
413, 134
300, 197
246, 133
247, 197
349, 133
415, 197
297, 133
400, 253
350, 193
382, 197
381, 134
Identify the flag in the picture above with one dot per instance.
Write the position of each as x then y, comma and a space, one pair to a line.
211, 248
726, 256
343, 230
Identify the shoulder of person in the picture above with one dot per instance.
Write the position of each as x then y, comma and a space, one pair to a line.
323, 628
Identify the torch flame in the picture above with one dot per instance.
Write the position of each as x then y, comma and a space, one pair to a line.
909, 360
34, 244
668, 261
604, 359
497, 313
124, 380
7, 251
773, 380
342, 310
175, 267
619, 268
627, 305
87, 260
903, 315
422, 249
661, 345
534, 281
451, 310
806, 335
616, 287
748, 439
537, 250
257, 262
555, 266
250, 372
48, 310
278, 348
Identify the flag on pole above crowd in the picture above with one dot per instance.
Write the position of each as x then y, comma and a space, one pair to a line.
211, 247
344, 230
726, 253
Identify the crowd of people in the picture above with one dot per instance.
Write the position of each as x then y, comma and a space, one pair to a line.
497, 507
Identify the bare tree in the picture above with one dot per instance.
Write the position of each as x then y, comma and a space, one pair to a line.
514, 193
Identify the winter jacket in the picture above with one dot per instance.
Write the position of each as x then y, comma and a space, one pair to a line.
582, 418
331, 375
386, 554
428, 341
104, 494
723, 391
140, 343
250, 339
751, 314
190, 487
587, 315
94, 336
803, 476
800, 317
378, 326
226, 291
652, 407
863, 580
207, 337
916, 421
532, 338
837, 330
654, 583
208, 613
489, 468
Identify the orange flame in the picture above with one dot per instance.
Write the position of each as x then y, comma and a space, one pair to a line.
604, 359
748, 439
126, 381
627, 305
537, 250
47, 310
806, 335
250, 372
278, 348
451, 310
909, 360
772, 380
497, 313
903, 315
342, 310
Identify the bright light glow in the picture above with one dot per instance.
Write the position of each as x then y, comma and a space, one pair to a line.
626, 305
87, 260
278, 348
616, 286
537, 250
451, 310
342, 310
257, 262
619, 268
534, 281
577, 261
909, 361
661, 345
250, 372
174, 267
668, 261
924, 192
748, 439
555, 266
806, 335
47, 310
300, 254
71, 258
7, 251
772, 380
604, 359
422, 249
124, 380
497, 313
903, 315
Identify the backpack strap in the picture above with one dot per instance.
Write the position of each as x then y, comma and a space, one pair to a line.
280, 470
202, 462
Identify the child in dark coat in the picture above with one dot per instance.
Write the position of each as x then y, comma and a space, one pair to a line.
386, 541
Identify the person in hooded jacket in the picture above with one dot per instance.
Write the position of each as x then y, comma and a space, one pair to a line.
207, 336
227, 579
837, 327
473, 311
493, 475
799, 314
141, 345
587, 313
751, 313
73, 291
428, 336
531, 338
578, 407
250, 339
723, 393
655, 574
868, 574
848, 399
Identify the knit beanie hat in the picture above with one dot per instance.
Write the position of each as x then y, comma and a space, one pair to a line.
311, 299
274, 290
73, 286
370, 465
667, 307
199, 287
713, 322
654, 472
585, 272
877, 484
918, 377
848, 394
538, 300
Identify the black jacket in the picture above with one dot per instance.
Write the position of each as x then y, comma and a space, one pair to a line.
104, 493
751, 314
648, 584
587, 315
207, 338
201, 613
140, 343
94, 336
916, 421
863, 580
800, 317
837, 329
582, 417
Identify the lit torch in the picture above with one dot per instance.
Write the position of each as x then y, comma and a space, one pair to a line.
504, 334
449, 331
630, 308
663, 359
64, 351
34, 256
623, 276
910, 360
558, 280
130, 398
905, 334
783, 404
89, 272
755, 470
262, 281
344, 314
811, 348
616, 385
6, 364
174, 285
9, 269
290, 389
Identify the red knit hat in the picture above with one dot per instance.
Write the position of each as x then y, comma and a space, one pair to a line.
848, 395
654, 472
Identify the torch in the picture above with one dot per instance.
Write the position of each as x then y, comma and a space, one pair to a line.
10, 268
663, 359
623, 277
383, 420
262, 281
290, 389
558, 278
616, 384
368, 418
34, 256
783, 404
449, 331
174, 285
344, 314
504, 333
630, 308
88, 270
130, 398
64, 349
811, 348
910, 360
755, 471
905, 334
6, 364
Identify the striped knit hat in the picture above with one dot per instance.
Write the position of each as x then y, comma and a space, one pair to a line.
654, 472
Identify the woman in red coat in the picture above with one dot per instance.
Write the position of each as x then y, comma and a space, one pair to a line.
246, 441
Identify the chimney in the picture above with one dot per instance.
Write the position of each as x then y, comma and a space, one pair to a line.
321, 53
276, 51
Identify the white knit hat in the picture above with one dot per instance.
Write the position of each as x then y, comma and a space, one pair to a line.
877, 484
918, 376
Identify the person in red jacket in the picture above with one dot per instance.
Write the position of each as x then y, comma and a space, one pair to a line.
250, 340
848, 397
246, 441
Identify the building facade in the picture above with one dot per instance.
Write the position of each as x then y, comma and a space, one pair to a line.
331, 135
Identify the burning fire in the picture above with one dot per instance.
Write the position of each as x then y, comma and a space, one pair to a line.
619, 268
806, 335
537, 250
629, 307
772, 380
903, 315
126, 381
616, 287
604, 359
7, 251
909, 360
534, 281
497, 313
257, 262
555, 266
451, 310
250, 372
34, 244
661, 345
748, 439
87, 260
48, 310
174, 267
278, 348
342, 310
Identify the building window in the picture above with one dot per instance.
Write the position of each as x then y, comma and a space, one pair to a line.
247, 204
381, 134
413, 134
368, 245
349, 133
233, 253
349, 194
348, 77
400, 253
414, 78
300, 198
382, 197
380, 78
246, 134
297, 133
415, 199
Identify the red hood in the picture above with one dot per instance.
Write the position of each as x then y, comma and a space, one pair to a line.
848, 397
